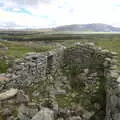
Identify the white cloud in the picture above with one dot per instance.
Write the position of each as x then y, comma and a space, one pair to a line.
61, 12
22, 19
16, 9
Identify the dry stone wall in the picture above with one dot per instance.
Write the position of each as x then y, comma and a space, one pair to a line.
112, 89
33, 67
84, 75
101, 77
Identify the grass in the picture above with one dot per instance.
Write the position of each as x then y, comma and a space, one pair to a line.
3, 66
19, 49
61, 35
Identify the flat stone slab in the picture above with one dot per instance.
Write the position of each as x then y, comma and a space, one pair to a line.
3, 78
8, 94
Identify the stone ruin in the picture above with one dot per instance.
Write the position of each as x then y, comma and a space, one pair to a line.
80, 82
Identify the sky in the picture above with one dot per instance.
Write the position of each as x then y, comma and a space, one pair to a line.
52, 13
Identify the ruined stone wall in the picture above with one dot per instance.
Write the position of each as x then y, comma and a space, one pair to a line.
104, 62
85, 55
106, 86
112, 89
84, 69
33, 67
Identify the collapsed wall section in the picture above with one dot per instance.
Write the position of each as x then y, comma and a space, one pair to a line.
28, 71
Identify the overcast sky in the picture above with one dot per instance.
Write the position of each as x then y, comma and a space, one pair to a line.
51, 13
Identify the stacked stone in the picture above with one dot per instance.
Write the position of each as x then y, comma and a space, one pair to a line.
29, 70
112, 86
86, 55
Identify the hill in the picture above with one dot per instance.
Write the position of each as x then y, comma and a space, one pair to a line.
98, 27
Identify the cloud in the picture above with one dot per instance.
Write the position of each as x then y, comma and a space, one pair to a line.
23, 19
19, 3
9, 25
50, 13
117, 5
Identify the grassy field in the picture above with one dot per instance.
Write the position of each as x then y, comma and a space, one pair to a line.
50, 35
17, 49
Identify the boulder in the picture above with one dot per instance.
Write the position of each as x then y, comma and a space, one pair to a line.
44, 114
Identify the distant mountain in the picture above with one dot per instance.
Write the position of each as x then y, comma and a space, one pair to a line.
98, 27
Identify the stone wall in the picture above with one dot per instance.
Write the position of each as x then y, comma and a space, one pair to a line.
85, 55
33, 67
112, 89
84, 75
104, 64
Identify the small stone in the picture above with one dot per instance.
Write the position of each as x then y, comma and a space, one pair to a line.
87, 115
22, 63
75, 118
105, 51
9, 70
118, 80
8, 75
97, 106
99, 48
116, 90
30, 53
114, 53
14, 76
108, 59
90, 44
106, 64
86, 71
113, 67
60, 92
77, 43
114, 75
17, 61
60, 119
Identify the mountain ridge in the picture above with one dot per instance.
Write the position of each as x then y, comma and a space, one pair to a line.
93, 27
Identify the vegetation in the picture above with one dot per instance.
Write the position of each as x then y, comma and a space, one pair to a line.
55, 35
3, 66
